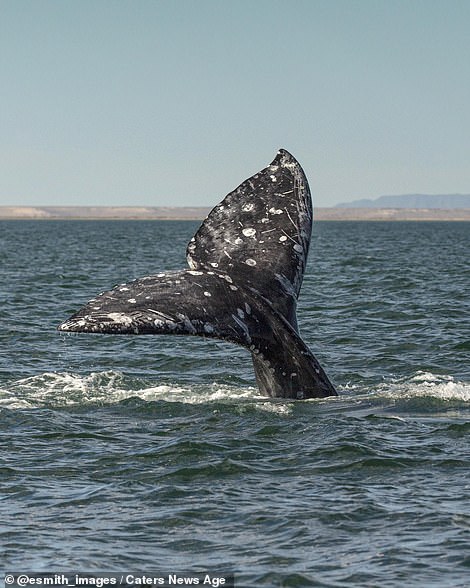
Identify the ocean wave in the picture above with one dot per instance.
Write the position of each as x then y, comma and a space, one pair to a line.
54, 390
419, 385
427, 385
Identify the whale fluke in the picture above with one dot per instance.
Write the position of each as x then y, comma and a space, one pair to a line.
247, 262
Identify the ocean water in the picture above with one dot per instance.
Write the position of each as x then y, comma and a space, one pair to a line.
157, 454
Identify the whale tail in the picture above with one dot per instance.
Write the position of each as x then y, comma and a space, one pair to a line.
247, 262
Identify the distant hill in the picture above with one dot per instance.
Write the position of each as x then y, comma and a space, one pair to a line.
199, 212
104, 212
445, 201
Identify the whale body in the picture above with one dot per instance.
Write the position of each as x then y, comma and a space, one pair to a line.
246, 265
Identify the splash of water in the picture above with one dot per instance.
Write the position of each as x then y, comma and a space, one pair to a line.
56, 390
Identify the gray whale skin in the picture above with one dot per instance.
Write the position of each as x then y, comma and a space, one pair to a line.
246, 265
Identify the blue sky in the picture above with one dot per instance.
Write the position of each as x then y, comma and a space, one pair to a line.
169, 103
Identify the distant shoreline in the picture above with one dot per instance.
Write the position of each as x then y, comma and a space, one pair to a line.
200, 212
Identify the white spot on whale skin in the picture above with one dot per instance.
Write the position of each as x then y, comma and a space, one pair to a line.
207, 294
238, 241
214, 264
249, 232
275, 210
194, 273
273, 178
240, 312
191, 262
120, 318
232, 287
208, 328
248, 207
298, 248
265, 220
247, 308
123, 289
132, 300
250, 262
282, 238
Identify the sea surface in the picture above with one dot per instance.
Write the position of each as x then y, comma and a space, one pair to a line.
158, 454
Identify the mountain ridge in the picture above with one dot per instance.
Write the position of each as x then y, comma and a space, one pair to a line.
427, 201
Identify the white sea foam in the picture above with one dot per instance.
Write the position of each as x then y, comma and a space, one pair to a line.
66, 389
280, 408
12, 402
425, 384
420, 385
